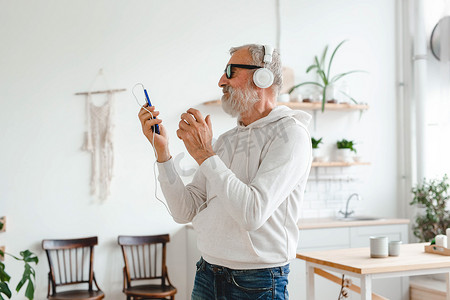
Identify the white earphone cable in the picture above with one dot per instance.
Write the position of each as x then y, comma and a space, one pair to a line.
153, 146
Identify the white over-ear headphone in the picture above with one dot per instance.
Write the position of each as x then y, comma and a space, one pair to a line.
263, 77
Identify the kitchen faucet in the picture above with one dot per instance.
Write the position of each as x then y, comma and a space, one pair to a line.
349, 213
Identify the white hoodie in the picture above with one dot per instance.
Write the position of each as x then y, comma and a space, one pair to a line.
244, 202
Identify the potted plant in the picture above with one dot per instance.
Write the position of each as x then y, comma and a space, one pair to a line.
316, 153
432, 196
327, 82
28, 275
344, 148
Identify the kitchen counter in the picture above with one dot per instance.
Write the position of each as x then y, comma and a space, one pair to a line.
333, 223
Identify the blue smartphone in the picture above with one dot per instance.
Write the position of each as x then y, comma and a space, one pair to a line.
156, 127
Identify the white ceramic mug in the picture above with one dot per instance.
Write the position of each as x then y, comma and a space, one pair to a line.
378, 246
394, 248
441, 240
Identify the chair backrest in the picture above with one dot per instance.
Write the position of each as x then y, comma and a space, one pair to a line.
70, 261
144, 257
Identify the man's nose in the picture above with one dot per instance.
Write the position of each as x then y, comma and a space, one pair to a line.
223, 80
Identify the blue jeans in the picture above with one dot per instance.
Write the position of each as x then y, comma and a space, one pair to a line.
213, 282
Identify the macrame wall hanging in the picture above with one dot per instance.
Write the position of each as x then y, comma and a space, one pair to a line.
98, 138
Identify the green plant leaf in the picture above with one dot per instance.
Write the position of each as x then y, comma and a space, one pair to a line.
311, 67
339, 76
315, 143
4, 289
324, 97
29, 256
316, 60
29, 292
22, 282
4, 277
324, 54
320, 71
27, 273
332, 57
304, 83
344, 144
323, 76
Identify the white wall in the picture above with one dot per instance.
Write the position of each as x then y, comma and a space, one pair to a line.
438, 98
369, 28
178, 49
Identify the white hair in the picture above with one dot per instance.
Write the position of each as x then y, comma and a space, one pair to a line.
257, 53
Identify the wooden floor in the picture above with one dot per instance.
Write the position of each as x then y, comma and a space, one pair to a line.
424, 288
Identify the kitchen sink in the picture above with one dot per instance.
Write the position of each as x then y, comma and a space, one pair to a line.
358, 218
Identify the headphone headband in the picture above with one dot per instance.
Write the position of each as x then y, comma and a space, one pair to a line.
268, 51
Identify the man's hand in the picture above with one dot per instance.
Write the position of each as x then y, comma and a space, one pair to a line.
196, 134
159, 141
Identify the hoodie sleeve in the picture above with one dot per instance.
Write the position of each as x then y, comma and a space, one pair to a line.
183, 201
286, 163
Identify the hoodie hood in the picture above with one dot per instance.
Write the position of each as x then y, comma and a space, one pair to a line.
276, 114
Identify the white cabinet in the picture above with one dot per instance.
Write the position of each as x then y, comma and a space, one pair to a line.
359, 236
323, 239
339, 238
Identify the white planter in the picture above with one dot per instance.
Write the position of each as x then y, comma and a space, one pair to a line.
330, 93
318, 155
344, 155
283, 98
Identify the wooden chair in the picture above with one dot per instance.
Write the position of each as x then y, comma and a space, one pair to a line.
71, 263
145, 262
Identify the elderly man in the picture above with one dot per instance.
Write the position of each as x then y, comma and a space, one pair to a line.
244, 200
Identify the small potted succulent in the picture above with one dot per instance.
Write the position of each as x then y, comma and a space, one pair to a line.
344, 150
316, 153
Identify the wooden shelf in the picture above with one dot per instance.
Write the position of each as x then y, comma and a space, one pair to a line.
338, 164
328, 106
212, 102
312, 105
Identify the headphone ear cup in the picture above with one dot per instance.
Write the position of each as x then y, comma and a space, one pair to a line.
263, 78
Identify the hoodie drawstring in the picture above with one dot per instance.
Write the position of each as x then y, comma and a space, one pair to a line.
248, 153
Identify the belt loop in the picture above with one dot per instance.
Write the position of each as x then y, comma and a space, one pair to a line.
203, 265
281, 271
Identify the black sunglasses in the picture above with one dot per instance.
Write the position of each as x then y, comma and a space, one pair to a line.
229, 74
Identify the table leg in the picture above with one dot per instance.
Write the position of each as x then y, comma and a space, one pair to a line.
366, 287
447, 286
310, 289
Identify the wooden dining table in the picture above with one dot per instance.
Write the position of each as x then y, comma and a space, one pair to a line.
357, 263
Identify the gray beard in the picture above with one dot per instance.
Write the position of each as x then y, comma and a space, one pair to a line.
238, 101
